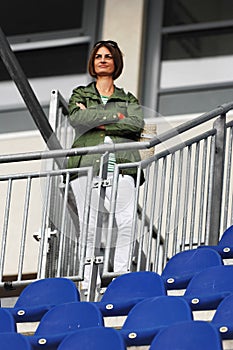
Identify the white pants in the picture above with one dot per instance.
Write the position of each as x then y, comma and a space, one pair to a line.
123, 217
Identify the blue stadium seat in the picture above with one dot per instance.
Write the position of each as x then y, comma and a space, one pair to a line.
223, 318
190, 335
209, 287
7, 322
184, 265
93, 339
225, 245
14, 341
40, 296
150, 316
62, 320
127, 290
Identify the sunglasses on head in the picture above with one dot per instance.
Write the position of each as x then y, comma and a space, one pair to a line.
102, 42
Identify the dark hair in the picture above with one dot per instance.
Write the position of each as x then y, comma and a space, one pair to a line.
116, 54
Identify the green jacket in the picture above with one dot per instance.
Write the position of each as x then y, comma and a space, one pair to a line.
96, 114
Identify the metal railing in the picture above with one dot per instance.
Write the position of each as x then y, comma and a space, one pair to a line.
186, 200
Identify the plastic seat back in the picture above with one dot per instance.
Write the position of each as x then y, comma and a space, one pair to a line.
7, 321
184, 265
158, 312
209, 287
48, 291
69, 317
225, 244
149, 316
40, 296
141, 284
227, 237
63, 319
223, 319
190, 335
93, 339
14, 341
127, 290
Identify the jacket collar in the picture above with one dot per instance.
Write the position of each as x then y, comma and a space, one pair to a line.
119, 93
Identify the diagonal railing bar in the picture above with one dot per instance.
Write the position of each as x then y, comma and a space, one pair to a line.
18, 76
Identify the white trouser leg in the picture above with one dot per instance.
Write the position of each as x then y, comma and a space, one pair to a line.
79, 186
123, 216
124, 220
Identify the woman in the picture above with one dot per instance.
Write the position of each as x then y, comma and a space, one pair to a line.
103, 113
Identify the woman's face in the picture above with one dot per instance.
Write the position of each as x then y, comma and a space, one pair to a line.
103, 62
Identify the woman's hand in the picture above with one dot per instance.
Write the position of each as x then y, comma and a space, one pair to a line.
121, 116
81, 105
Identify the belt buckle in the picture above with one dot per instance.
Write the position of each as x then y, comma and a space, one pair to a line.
103, 183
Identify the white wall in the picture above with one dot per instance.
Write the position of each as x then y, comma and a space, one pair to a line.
11, 144
123, 22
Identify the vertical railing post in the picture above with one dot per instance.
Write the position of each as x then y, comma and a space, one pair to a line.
58, 111
216, 197
100, 209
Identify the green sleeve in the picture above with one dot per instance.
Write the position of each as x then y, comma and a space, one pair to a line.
91, 117
132, 125
99, 114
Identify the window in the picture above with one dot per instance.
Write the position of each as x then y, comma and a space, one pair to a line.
179, 12
26, 19
198, 44
51, 41
51, 38
51, 61
194, 48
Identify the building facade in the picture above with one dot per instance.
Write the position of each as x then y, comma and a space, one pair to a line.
177, 54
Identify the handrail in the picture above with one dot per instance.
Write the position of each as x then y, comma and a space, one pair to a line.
224, 108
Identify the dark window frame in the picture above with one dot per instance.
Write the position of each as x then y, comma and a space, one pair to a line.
87, 34
26, 45
154, 34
